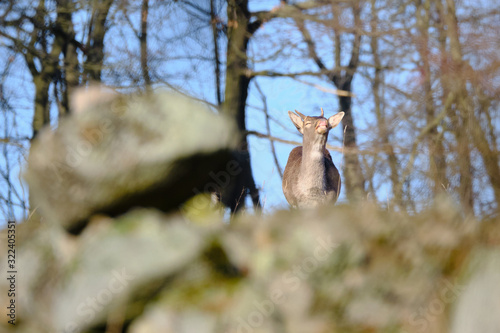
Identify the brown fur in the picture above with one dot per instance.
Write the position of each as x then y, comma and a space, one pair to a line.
291, 176
310, 178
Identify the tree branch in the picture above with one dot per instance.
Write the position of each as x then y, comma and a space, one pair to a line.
268, 128
311, 48
270, 73
337, 92
285, 11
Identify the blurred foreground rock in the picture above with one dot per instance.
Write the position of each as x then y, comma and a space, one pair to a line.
336, 269
117, 152
478, 307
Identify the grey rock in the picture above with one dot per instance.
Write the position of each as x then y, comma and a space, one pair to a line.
478, 306
334, 269
121, 151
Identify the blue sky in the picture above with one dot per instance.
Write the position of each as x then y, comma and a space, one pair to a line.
192, 77
121, 48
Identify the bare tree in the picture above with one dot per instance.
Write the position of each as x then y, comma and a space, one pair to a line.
378, 99
342, 78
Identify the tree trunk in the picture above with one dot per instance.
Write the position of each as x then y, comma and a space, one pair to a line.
143, 40
454, 83
41, 115
65, 36
215, 36
353, 174
437, 161
95, 44
383, 132
236, 93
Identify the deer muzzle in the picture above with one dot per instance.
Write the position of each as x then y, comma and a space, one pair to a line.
322, 126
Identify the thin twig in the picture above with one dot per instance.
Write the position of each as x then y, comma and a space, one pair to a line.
336, 92
268, 128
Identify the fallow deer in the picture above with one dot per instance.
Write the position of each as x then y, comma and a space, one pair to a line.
310, 178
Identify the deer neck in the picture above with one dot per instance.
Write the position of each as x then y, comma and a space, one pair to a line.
313, 163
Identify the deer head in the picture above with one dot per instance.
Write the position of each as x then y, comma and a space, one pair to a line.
315, 129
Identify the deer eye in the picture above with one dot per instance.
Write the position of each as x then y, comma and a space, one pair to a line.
308, 124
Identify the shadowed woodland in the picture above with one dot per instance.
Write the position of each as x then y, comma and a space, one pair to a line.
122, 118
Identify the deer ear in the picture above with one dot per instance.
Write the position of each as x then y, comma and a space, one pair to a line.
297, 121
335, 119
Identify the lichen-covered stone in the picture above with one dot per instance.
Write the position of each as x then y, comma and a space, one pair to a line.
478, 305
125, 151
340, 269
